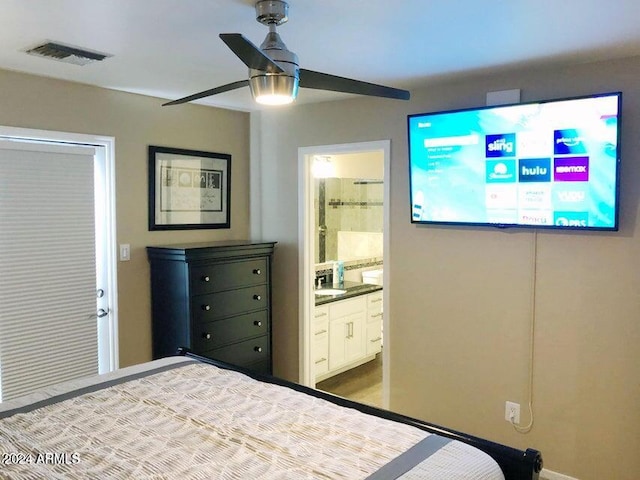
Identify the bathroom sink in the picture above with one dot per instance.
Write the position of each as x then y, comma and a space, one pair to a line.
330, 291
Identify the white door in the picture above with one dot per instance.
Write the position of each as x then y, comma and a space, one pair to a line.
55, 265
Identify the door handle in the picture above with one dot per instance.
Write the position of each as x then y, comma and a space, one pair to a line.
349, 330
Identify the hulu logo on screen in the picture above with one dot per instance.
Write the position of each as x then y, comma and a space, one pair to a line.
535, 170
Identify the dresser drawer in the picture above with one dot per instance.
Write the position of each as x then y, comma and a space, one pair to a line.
226, 276
263, 367
207, 336
244, 353
206, 308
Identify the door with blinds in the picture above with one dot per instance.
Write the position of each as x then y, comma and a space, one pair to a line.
49, 305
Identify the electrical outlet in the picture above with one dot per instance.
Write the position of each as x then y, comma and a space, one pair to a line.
512, 412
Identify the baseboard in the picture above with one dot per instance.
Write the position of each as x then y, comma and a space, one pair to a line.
550, 475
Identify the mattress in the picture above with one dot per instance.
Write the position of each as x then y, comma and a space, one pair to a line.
180, 418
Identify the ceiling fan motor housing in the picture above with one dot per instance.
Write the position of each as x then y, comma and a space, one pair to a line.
270, 83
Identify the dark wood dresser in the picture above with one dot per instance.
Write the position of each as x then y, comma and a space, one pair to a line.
215, 299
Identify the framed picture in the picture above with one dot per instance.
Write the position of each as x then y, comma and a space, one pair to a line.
188, 189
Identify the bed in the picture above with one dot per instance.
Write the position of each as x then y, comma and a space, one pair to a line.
190, 417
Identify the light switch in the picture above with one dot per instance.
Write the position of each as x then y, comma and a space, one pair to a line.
125, 252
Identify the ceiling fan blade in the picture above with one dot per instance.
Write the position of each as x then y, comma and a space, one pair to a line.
325, 81
208, 93
250, 55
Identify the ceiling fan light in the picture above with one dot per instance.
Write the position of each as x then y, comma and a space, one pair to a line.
274, 99
274, 89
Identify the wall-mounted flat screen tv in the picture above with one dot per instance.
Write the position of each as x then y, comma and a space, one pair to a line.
548, 164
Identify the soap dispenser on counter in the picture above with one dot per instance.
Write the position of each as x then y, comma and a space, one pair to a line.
338, 274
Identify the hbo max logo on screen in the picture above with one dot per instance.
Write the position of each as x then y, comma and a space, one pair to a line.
571, 169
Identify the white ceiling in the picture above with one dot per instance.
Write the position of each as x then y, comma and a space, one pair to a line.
170, 48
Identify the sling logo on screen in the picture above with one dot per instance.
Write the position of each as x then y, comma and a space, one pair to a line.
568, 141
534, 170
571, 169
501, 145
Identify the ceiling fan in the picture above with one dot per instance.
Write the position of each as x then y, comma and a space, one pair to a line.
274, 74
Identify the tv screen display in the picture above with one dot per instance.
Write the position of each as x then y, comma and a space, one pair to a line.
548, 164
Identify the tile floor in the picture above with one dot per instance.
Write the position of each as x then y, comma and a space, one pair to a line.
362, 384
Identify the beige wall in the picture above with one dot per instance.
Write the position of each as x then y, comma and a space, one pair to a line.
366, 165
136, 122
462, 350
461, 297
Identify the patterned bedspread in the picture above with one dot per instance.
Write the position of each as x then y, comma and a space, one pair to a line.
196, 421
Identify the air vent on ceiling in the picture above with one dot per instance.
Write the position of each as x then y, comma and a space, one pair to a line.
67, 53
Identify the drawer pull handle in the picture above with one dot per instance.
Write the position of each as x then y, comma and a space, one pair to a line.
376, 315
206, 308
376, 300
376, 340
206, 336
257, 323
257, 271
321, 332
321, 360
258, 349
323, 314
257, 297
205, 278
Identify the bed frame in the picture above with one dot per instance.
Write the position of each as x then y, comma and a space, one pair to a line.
515, 464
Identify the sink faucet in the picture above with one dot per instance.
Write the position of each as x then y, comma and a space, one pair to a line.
319, 283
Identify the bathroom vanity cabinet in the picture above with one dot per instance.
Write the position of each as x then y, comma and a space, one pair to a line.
347, 333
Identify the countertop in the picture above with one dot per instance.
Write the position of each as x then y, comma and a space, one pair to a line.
353, 289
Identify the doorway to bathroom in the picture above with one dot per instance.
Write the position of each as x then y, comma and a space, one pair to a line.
344, 341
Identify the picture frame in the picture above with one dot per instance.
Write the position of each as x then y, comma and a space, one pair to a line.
188, 189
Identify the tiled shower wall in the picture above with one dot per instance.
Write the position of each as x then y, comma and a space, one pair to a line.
350, 204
